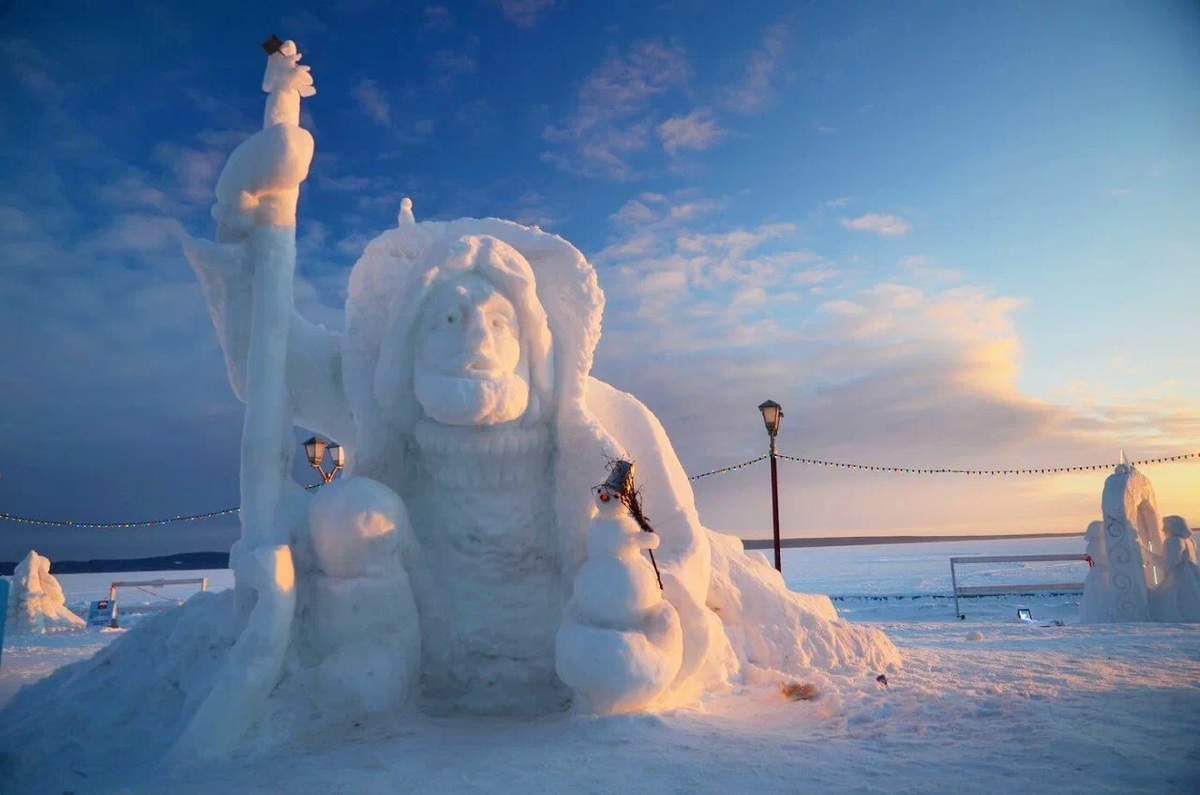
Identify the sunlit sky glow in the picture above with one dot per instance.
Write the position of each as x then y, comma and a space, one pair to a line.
940, 234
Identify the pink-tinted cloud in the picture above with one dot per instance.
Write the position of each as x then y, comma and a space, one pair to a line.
877, 222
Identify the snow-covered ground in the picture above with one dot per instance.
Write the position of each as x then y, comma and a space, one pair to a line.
981, 705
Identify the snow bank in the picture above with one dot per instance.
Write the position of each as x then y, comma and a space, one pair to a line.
772, 628
126, 705
35, 599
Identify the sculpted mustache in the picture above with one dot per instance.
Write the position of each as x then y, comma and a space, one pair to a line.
479, 362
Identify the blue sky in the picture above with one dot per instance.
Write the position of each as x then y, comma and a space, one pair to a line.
940, 234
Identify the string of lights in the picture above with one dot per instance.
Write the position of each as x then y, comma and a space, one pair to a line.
8, 517
1001, 472
722, 470
196, 517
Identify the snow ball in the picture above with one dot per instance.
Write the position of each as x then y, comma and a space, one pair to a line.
354, 524
975, 635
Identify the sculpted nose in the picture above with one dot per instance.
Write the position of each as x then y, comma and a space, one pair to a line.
479, 335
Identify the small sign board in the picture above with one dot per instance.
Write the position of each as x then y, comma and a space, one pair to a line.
3, 612
102, 613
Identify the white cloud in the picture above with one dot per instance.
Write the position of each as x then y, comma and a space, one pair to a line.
373, 100
32, 67
438, 19
842, 307
697, 130
876, 222
823, 130
634, 212
1119, 191
140, 233
755, 91
922, 267
523, 13
614, 119
194, 169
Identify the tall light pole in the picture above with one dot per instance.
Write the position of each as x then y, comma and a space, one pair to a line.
316, 448
772, 414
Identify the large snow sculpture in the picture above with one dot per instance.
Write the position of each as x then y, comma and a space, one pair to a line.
439, 567
1143, 567
36, 602
1133, 543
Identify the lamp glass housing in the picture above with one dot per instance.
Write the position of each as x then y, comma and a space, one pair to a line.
772, 414
314, 448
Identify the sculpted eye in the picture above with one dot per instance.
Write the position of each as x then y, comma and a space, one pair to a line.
450, 319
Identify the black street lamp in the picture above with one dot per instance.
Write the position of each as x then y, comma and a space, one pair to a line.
316, 448
772, 414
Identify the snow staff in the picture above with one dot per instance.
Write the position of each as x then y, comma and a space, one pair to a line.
620, 486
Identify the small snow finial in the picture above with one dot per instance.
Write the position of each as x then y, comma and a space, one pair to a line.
1124, 460
406, 214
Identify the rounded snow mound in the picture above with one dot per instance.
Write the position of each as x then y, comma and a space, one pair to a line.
771, 627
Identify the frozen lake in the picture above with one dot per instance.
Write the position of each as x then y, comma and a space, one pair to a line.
914, 577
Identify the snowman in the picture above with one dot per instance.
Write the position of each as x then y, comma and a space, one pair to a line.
620, 646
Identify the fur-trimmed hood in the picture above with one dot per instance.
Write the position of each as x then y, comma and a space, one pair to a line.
391, 277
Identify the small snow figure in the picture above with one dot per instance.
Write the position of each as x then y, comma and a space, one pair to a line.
1182, 585
1094, 608
36, 603
621, 645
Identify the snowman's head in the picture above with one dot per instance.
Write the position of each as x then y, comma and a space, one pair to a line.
609, 501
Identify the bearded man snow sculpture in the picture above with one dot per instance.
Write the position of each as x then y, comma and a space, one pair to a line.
461, 390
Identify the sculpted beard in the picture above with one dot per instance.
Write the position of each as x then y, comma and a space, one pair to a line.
455, 400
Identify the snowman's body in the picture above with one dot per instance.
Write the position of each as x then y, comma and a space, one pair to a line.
617, 612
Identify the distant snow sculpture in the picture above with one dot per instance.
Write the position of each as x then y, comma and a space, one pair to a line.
1094, 607
1182, 570
436, 573
1143, 567
35, 600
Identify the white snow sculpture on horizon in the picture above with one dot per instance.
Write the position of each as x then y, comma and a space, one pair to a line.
36, 603
1133, 542
438, 568
1142, 564
1182, 569
1093, 608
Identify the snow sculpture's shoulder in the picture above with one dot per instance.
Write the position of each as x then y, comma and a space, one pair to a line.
636, 428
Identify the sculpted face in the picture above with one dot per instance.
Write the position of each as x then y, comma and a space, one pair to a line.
469, 369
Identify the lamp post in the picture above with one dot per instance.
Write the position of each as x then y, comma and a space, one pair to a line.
316, 449
772, 414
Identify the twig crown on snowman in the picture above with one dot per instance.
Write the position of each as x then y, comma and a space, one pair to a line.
620, 486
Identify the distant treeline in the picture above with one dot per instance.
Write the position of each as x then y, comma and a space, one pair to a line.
192, 561
857, 541
188, 561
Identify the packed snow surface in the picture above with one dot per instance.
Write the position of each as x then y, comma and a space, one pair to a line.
1023, 708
